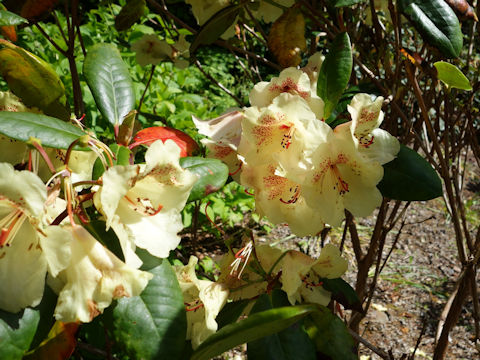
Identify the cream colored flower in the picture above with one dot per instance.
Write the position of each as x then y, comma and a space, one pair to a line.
93, 278
203, 301
205, 9
268, 12
312, 69
28, 247
292, 81
151, 50
142, 203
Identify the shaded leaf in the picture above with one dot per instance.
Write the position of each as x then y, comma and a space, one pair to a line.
343, 3
153, 325
17, 332
292, 343
335, 72
212, 175
59, 344
252, 328
410, 177
231, 312
147, 136
51, 132
33, 9
452, 76
215, 26
436, 22
286, 39
131, 12
30, 78
343, 293
463, 9
109, 80
331, 336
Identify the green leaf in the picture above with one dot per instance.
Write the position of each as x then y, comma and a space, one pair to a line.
343, 3
109, 80
252, 328
335, 72
231, 312
342, 292
331, 336
17, 332
212, 175
215, 26
410, 177
31, 79
122, 157
50, 131
131, 12
292, 343
452, 76
436, 22
8, 18
153, 325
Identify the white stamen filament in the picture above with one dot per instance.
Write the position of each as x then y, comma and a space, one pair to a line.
10, 225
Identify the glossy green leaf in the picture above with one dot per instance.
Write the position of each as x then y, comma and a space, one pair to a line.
8, 18
436, 22
331, 336
231, 312
109, 80
344, 3
292, 343
50, 131
153, 325
452, 76
335, 72
131, 12
17, 332
212, 175
410, 177
252, 328
342, 292
31, 79
215, 26
122, 157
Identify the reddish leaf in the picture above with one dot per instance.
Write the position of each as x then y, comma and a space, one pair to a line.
33, 9
58, 345
147, 136
9, 32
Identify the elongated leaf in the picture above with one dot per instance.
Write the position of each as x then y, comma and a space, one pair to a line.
292, 343
254, 327
153, 325
8, 18
51, 132
109, 80
332, 337
342, 292
335, 72
410, 177
436, 22
212, 175
231, 312
59, 344
215, 26
344, 3
16, 333
32, 79
452, 76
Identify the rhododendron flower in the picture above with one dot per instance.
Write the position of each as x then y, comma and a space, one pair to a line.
151, 50
224, 134
268, 12
281, 200
286, 129
312, 69
142, 203
292, 81
203, 301
205, 9
28, 247
93, 278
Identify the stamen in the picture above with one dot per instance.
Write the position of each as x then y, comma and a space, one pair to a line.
193, 306
242, 255
236, 171
9, 226
310, 284
293, 199
341, 185
287, 138
249, 193
365, 143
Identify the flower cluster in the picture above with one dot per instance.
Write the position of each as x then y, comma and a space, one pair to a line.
302, 171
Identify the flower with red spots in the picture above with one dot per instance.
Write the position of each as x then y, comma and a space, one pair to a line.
142, 203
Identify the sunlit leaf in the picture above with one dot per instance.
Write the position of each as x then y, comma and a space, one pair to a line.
17, 332
452, 76
147, 136
335, 72
410, 177
109, 80
8, 18
436, 22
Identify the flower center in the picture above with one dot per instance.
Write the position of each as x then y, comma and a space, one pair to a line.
194, 305
294, 192
9, 226
287, 137
143, 206
340, 185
